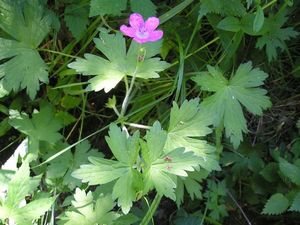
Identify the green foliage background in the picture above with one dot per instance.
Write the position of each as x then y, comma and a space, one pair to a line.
201, 127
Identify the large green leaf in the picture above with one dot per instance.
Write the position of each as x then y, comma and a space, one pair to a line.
20, 186
101, 171
110, 71
161, 166
187, 124
63, 166
27, 22
81, 154
42, 126
89, 211
31, 211
224, 106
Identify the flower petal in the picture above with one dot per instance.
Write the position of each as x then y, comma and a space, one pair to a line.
155, 35
128, 31
140, 40
151, 23
136, 20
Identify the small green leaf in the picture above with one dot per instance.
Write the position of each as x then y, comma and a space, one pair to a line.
290, 3
43, 126
215, 199
269, 172
124, 148
276, 204
191, 184
107, 7
124, 191
20, 186
4, 126
230, 24
81, 154
290, 171
146, 8
70, 102
32, 211
65, 117
5, 177
296, 203
3, 91
126, 219
77, 18
275, 36
89, 211
258, 20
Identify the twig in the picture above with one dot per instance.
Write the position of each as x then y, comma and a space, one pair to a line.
240, 208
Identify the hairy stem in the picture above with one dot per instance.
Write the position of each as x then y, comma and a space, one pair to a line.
140, 58
151, 210
126, 99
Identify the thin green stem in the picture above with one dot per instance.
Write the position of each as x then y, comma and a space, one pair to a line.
126, 99
140, 58
126, 83
92, 27
116, 111
138, 125
56, 52
73, 145
180, 72
204, 215
151, 210
196, 51
147, 202
84, 99
196, 27
106, 24
73, 128
269, 4
53, 210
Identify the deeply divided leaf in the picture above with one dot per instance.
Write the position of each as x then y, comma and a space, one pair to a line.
42, 126
111, 70
225, 105
28, 24
20, 186
89, 211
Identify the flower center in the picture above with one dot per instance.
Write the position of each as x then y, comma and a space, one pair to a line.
142, 33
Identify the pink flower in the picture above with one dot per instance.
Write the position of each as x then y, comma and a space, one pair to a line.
141, 31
